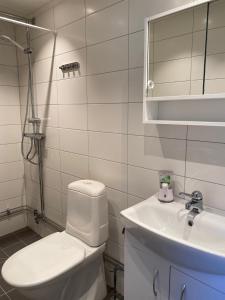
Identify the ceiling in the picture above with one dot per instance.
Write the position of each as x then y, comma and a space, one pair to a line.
21, 7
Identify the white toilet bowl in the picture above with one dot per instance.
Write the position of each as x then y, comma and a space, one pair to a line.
59, 267
67, 265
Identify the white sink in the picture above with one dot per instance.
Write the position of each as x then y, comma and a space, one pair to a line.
163, 228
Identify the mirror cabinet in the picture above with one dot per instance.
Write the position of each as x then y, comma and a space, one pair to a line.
184, 70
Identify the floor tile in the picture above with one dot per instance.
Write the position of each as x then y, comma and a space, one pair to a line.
4, 297
15, 295
8, 241
14, 248
27, 235
3, 284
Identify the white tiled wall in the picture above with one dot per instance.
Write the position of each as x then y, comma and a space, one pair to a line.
93, 119
11, 164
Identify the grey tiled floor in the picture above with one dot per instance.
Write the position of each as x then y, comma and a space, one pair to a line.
9, 244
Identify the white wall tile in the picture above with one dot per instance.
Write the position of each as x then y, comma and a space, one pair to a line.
172, 89
216, 14
44, 19
75, 141
8, 76
197, 67
107, 117
68, 11
8, 55
215, 66
109, 146
115, 230
23, 75
52, 178
74, 164
133, 200
48, 114
46, 93
108, 56
200, 14
170, 26
72, 91
142, 182
138, 12
10, 171
117, 201
95, 5
10, 115
173, 48
51, 137
108, 23
44, 71
113, 174
70, 37
108, 88
136, 85
52, 198
10, 134
136, 49
43, 47
174, 70
216, 42
11, 189
157, 154
9, 95
51, 158
214, 86
206, 134
73, 116
116, 251
205, 161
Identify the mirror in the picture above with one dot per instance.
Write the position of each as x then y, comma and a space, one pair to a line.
186, 51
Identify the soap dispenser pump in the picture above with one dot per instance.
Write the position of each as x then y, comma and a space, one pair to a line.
165, 192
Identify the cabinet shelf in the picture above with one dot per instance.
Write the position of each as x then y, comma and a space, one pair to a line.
187, 97
195, 110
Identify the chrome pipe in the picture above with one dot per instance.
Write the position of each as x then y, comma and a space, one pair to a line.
27, 25
7, 38
9, 15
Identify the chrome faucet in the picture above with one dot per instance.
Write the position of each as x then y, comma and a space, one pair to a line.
195, 205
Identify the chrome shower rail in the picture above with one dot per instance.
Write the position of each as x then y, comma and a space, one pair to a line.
15, 20
16, 17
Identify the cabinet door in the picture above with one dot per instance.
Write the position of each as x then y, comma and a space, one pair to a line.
184, 287
146, 276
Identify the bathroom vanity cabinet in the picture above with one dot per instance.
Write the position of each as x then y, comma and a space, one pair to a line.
151, 277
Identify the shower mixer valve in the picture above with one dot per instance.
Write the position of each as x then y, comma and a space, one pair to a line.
34, 120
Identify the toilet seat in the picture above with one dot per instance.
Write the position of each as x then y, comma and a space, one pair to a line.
43, 260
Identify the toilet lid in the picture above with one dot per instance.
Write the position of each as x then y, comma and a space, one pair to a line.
43, 260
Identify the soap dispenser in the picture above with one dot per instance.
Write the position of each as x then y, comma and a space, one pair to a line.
165, 192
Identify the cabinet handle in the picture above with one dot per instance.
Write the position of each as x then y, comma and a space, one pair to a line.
156, 273
183, 292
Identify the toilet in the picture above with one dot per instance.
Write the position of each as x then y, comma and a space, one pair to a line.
67, 265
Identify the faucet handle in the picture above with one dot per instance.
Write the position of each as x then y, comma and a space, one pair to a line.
195, 196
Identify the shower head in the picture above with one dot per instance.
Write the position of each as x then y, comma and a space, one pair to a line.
7, 38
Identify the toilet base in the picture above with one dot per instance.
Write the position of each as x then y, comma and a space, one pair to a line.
84, 283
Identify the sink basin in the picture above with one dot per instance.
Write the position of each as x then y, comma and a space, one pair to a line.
164, 229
